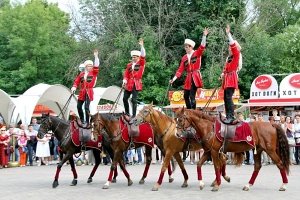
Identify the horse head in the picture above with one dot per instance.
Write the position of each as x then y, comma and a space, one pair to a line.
97, 125
46, 125
104, 124
182, 118
144, 115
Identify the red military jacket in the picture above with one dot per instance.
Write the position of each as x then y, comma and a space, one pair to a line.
134, 76
230, 79
86, 86
192, 68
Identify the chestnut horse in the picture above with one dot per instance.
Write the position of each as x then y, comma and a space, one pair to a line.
109, 125
266, 137
61, 130
165, 128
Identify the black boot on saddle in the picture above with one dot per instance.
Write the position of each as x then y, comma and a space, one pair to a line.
229, 119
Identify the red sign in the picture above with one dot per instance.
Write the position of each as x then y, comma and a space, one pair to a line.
295, 81
263, 82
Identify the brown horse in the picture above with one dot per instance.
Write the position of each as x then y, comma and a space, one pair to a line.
61, 130
266, 137
107, 124
165, 128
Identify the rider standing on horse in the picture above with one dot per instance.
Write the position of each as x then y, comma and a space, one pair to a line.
191, 63
132, 78
229, 76
86, 80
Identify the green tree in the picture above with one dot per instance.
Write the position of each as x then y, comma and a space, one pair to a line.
164, 24
35, 45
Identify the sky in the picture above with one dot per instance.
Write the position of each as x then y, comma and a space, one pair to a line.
65, 5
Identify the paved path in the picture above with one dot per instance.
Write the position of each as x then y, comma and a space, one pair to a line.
35, 183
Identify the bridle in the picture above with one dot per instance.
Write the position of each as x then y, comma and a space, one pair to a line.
103, 130
145, 112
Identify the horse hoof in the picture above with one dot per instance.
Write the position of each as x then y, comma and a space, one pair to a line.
215, 189
282, 189
142, 181
130, 182
155, 189
74, 182
184, 185
90, 180
201, 187
114, 180
171, 180
105, 187
213, 184
227, 178
245, 188
55, 184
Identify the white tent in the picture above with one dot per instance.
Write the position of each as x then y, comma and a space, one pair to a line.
110, 93
7, 106
53, 96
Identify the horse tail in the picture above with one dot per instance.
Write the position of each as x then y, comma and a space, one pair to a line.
238, 159
283, 147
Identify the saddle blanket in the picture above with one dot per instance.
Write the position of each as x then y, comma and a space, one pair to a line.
242, 133
89, 144
145, 137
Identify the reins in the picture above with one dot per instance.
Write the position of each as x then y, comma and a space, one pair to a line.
209, 100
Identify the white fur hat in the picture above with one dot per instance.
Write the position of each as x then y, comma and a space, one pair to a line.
88, 62
135, 53
237, 45
189, 42
81, 67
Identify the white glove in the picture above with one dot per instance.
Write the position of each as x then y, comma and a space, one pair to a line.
124, 81
73, 89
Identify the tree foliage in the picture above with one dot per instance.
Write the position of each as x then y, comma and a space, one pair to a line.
37, 44
34, 45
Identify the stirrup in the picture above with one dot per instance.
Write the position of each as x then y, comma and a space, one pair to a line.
131, 145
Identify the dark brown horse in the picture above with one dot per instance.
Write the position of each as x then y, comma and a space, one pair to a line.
109, 125
61, 130
266, 137
165, 128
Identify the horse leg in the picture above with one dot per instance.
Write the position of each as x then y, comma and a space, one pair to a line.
114, 180
148, 163
199, 170
58, 169
96, 154
163, 170
74, 181
257, 166
111, 172
276, 159
122, 165
181, 165
217, 165
170, 172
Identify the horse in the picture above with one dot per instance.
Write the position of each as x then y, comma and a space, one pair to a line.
113, 127
165, 128
265, 137
62, 131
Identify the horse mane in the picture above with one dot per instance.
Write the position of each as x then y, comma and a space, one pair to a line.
163, 116
109, 116
60, 120
201, 115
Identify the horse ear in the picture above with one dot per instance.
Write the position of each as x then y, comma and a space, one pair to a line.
151, 104
182, 110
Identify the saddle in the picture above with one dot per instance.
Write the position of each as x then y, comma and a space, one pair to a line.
85, 134
133, 129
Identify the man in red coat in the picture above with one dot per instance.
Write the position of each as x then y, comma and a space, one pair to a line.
86, 81
132, 78
191, 63
229, 76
